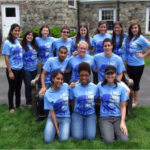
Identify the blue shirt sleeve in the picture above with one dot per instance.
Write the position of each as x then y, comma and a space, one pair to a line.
144, 43
6, 48
96, 93
71, 96
46, 66
124, 94
47, 105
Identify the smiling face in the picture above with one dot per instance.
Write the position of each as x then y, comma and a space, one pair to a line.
65, 34
58, 81
110, 77
84, 77
102, 29
135, 30
117, 29
15, 33
108, 49
62, 54
29, 37
45, 33
82, 48
83, 32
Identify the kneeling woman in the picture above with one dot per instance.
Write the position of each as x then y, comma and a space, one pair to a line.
83, 120
113, 107
56, 101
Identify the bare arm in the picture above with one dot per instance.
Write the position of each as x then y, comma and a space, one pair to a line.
67, 71
145, 54
43, 89
11, 75
95, 70
120, 75
123, 116
54, 120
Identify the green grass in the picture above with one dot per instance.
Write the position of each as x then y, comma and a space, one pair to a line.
147, 61
20, 131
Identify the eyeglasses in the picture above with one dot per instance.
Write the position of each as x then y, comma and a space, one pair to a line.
65, 32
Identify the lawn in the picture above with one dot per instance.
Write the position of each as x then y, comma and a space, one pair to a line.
147, 61
20, 131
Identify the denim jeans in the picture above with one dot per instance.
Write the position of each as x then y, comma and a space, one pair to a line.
28, 76
50, 130
110, 128
41, 102
83, 127
14, 87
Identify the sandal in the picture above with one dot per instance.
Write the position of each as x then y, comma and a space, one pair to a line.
11, 111
21, 108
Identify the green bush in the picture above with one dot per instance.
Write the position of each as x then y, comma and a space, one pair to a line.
55, 32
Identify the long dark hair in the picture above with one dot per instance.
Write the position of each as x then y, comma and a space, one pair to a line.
33, 42
10, 36
99, 24
105, 82
55, 73
44, 26
114, 35
130, 36
87, 37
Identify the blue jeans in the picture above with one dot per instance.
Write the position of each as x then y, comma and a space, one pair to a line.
110, 128
50, 130
41, 102
83, 127
28, 76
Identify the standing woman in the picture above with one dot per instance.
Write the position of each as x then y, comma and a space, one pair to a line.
100, 36
44, 43
29, 62
12, 51
113, 107
83, 120
56, 101
119, 40
83, 35
135, 58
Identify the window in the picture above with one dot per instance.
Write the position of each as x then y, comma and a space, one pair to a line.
109, 15
147, 29
10, 12
72, 3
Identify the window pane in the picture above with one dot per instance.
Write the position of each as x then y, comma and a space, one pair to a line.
10, 12
107, 15
71, 2
109, 25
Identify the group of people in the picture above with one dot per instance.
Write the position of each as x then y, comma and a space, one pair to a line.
74, 55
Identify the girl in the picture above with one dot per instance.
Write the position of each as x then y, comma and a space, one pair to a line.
135, 58
113, 107
30, 63
12, 51
56, 101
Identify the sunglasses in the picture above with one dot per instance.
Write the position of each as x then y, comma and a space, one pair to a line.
65, 32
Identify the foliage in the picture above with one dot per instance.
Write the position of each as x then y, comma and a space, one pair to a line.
147, 61
20, 131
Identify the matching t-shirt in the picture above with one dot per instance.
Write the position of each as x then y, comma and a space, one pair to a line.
58, 101
30, 59
134, 47
101, 61
15, 53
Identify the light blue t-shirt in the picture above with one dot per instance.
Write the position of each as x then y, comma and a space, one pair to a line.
53, 64
84, 98
134, 47
122, 50
74, 62
14, 51
101, 61
45, 48
30, 59
98, 42
58, 101
58, 43
111, 98
81, 39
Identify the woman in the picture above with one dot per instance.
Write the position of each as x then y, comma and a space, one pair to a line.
119, 40
113, 107
12, 51
83, 120
56, 101
83, 35
29, 62
135, 58
100, 36
44, 43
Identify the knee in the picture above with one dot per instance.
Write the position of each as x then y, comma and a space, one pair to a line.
48, 140
124, 138
108, 140
90, 137
63, 138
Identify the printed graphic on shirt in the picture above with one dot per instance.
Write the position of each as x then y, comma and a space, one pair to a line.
99, 47
131, 48
102, 70
17, 54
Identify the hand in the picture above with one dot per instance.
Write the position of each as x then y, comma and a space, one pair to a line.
57, 131
75, 53
42, 91
11, 76
123, 128
72, 84
141, 55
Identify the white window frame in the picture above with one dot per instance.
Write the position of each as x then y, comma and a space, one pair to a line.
147, 20
100, 15
71, 5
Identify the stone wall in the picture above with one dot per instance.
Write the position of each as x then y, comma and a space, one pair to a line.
128, 11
